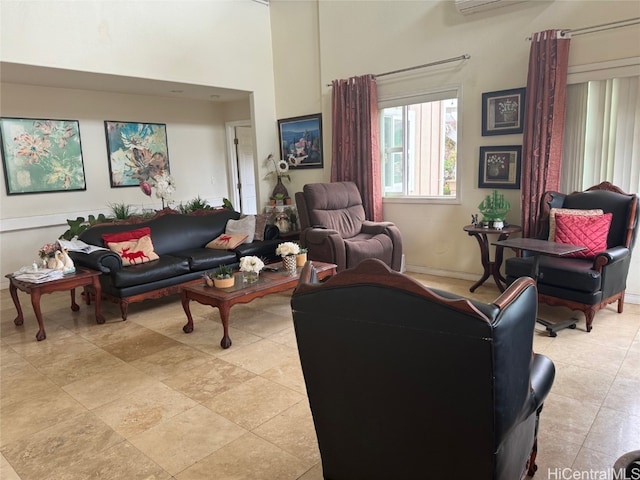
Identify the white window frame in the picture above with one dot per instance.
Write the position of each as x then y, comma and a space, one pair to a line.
394, 99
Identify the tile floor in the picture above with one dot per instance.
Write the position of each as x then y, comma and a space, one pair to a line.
142, 400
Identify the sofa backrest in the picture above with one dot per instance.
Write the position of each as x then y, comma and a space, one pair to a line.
406, 371
337, 206
171, 232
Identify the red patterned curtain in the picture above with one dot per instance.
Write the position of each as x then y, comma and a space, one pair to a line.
356, 140
544, 122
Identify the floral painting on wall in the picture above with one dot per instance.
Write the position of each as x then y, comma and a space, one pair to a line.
137, 152
41, 155
503, 112
500, 167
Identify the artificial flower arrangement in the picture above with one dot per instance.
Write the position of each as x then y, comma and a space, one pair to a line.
280, 167
48, 250
164, 185
288, 248
55, 257
251, 264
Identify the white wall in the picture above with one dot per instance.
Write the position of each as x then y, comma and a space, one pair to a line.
210, 43
346, 38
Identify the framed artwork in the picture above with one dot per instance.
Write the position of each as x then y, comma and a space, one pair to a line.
500, 167
301, 141
41, 156
503, 112
137, 152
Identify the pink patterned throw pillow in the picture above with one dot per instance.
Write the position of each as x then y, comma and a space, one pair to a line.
587, 231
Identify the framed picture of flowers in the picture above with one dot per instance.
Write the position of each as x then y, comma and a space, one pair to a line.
138, 152
41, 156
500, 167
301, 141
503, 112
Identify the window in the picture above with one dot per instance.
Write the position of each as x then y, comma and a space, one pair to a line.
418, 141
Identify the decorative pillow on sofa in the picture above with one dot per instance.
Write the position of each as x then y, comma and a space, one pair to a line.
586, 230
244, 226
226, 242
107, 238
567, 211
134, 252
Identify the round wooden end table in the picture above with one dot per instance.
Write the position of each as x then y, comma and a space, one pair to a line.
491, 268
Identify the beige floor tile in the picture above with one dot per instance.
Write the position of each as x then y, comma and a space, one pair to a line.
285, 337
288, 374
586, 355
260, 356
614, 433
77, 366
146, 342
248, 458
631, 365
592, 463
143, 409
293, 432
314, 473
170, 362
262, 323
187, 438
253, 402
205, 381
109, 332
6, 470
554, 451
623, 396
106, 387
581, 383
568, 418
51, 452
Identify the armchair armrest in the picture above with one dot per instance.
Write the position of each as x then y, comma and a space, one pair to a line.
609, 256
104, 261
543, 371
375, 228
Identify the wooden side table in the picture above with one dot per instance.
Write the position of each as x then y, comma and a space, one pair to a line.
82, 277
491, 268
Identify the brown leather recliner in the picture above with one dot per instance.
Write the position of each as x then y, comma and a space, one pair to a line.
334, 230
409, 382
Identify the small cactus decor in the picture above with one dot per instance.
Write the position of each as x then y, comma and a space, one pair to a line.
494, 207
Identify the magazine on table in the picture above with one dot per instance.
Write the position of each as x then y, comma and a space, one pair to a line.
76, 245
27, 274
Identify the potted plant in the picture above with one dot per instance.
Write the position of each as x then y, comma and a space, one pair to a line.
250, 267
221, 277
494, 208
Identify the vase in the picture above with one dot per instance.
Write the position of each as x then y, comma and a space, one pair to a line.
280, 189
289, 264
250, 277
224, 282
301, 259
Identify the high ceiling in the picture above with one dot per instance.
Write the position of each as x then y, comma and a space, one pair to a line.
61, 78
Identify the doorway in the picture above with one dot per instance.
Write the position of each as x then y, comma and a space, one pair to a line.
242, 179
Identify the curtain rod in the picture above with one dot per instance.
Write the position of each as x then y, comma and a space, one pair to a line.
466, 56
599, 28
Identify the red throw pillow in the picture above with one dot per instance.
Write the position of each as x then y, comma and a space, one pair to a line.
127, 236
587, 231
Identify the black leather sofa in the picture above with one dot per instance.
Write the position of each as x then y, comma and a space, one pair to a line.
179, 240
408, 382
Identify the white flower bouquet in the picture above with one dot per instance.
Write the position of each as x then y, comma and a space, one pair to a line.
287, 248
251, 264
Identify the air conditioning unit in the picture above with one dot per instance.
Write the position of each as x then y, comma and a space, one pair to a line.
468, 7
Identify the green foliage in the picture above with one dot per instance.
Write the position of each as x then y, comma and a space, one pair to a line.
194, 205
494, 206
223, 271
79, 225
121, 210
227, 204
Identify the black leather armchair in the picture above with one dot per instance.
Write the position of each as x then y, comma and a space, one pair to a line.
407, 382
334, 229
587, 285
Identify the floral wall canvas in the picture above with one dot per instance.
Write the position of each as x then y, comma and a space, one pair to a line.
137, 152
41, 155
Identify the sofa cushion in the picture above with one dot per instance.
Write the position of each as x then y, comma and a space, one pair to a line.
125, 236
244, 226
261, 223
589, 231
560, 272
201, 259
134, 252
227, 241
364, 246
567, 211
165, 267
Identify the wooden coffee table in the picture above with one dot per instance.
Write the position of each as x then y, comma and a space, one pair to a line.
81, 278
225, 298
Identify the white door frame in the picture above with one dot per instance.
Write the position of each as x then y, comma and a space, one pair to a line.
232, 166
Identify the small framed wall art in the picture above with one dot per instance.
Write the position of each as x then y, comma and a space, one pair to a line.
503, 112
41, 156
301, 141
137, 152
500, 167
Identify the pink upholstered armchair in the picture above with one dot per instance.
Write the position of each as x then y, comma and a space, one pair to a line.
334, 229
